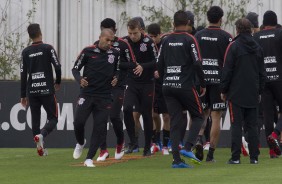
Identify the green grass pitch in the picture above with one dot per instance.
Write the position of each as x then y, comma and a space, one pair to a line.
23, 166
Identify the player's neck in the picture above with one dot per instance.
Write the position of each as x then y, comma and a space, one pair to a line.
39, 39
214, 25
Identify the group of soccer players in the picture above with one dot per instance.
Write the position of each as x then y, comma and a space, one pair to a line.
143, 72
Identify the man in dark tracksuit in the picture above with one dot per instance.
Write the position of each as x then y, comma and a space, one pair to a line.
100, 67
242, 82
213, 42
270, 39
140, 90
126, 57
178, 62
37, 61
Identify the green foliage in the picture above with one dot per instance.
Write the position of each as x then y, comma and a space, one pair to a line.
233, 10
11, 43
157, 16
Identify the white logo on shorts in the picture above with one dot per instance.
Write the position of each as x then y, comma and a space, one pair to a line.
81, 101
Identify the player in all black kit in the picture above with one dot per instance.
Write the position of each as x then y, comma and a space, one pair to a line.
270, 39
154, 31
140, 81
178, 62
213, 42
100, 63
242, 83
126, 58
38, 86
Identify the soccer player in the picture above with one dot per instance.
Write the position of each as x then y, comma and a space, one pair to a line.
154, 31
100, 63
213, 42
242, 83
270, 39
178, 62
140, 81
126, 58
38, 86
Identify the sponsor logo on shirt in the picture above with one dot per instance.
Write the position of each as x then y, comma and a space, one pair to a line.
210, 62
175, 44
173, 69
219, 106
273, 69
146, 39
209, 39
38, 84
172, 78
270, 59
172, 84
54, 56
210, 72
195, 51
115, 44
36, 54
267, 36
38, 75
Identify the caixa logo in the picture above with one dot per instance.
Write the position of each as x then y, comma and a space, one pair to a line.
65, 118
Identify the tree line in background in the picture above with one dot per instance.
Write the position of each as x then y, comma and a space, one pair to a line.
11, 42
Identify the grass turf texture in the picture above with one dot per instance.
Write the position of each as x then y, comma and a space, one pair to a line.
24, 166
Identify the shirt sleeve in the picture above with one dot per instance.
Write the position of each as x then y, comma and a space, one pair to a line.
228, 68
160, 62
56, 63
23, 69
78, 65
197, 60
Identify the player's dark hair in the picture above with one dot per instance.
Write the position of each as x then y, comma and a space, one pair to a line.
214, 14
154, 29
34, 30
180, 18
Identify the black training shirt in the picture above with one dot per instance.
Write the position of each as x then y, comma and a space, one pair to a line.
179, 60
99, 68
271, 42
36, 65
213, 42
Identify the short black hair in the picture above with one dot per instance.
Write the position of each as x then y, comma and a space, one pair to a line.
154, 29
269, 18
214, 14
108, 23
133, 23
243, 25
180, 18
34, 30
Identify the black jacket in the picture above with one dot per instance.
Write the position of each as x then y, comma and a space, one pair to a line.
243, 74
213, 42
37, 61
179, 60
145, 53
99, 67
127, 59
271, 42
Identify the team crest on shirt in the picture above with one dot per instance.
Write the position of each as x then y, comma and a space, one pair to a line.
143, 47
111, 58
80, 101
